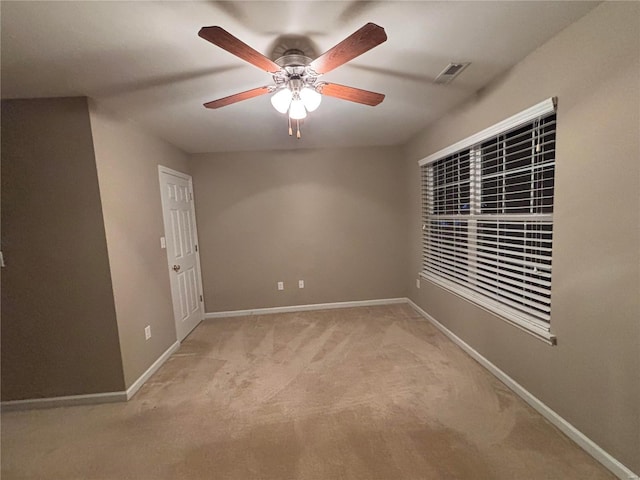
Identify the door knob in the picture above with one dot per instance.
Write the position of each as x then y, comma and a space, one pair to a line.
176, 268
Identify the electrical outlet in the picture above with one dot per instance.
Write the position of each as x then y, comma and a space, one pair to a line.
280, 285
147, 332
300, 283
417, 283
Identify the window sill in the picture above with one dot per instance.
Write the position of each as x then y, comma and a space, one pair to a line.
536, 328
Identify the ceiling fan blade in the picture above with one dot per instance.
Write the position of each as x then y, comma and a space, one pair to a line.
238, 97
223, 39
352, 94
359, 42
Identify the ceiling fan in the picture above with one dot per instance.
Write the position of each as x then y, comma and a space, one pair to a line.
297, 88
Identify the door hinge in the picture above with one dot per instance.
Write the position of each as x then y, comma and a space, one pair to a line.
191, 196
200, 297
196, 248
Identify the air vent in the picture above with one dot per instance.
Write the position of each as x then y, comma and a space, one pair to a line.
450, 72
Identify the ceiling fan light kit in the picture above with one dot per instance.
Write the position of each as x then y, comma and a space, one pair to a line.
282, 99
297, 110
311, 99
297, 88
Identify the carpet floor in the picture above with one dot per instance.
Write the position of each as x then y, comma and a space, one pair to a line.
360, 393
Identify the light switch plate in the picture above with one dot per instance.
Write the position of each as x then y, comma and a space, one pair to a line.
163, 242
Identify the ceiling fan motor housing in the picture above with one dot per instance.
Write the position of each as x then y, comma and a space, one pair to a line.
294, 73
293, 58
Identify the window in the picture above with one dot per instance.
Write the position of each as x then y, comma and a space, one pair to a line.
487, 206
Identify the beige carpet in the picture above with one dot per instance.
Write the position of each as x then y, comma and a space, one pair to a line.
362, 393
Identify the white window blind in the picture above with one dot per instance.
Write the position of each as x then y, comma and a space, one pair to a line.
488, 218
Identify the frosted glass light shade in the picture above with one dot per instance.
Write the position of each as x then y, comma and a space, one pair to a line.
281, 100
310, 98
297, 110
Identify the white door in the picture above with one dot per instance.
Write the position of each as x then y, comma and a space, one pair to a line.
182, 249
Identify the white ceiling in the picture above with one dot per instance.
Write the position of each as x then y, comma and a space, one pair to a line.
145, 61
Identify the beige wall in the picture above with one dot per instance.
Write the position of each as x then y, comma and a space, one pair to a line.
127, 161
333, 218
591, 377
59, 332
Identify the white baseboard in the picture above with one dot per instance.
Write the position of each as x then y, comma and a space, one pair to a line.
66, 401
91, 398
608, 461
135, 386
304, 308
